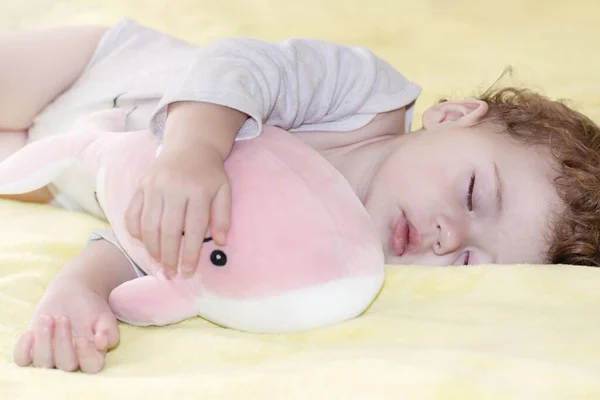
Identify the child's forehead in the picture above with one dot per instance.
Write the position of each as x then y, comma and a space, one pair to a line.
530, 199
500, 140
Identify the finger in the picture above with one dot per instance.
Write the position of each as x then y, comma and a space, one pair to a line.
134, 215
90, 360
221, 215
106, 332
64, 350
22, 355
196, 219
43, 356
171, 229
151, 217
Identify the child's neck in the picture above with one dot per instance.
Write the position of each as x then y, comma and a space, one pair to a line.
359, 162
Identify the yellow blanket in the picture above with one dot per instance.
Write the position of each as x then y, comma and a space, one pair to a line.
495, 332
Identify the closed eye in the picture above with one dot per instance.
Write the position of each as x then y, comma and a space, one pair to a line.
470, 193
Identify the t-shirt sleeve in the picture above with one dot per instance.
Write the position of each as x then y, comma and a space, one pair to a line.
297, 85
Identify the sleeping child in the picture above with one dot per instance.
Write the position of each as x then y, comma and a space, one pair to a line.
508, 176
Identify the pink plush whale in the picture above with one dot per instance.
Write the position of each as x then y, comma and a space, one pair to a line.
302, 252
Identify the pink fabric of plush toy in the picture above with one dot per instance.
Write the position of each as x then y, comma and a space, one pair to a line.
302, 251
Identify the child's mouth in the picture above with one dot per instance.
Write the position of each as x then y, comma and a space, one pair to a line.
405, 236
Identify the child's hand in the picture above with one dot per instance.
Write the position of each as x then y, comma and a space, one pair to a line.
72, 328
183, 191
187, 188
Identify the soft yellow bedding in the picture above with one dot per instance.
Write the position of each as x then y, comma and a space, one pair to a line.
495, 332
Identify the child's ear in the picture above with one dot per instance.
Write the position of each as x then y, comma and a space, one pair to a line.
460, 113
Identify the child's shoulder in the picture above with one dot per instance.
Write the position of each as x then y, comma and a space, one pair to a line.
387, 123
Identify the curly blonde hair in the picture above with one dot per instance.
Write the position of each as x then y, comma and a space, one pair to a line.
574, 141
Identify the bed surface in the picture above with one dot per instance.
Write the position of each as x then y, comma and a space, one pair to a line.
492, 332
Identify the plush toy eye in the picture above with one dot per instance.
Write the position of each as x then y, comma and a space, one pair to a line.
218, 258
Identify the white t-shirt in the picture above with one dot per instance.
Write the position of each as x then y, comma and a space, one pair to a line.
297, 85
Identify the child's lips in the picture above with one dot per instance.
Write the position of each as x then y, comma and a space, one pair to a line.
405, 236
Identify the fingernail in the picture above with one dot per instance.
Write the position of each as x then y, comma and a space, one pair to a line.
46, 321
187, 271
169, 274
221, 238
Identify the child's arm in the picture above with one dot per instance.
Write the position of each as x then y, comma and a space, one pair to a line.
36, 66
73, 326
296, 85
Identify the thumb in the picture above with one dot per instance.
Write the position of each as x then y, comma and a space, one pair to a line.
106, 331
220, 214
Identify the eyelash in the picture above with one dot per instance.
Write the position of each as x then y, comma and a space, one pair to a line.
470, 193
467, 257
470, 207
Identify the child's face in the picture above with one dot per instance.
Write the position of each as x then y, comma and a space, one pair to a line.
421, 203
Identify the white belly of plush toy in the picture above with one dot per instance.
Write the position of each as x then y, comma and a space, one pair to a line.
298, 310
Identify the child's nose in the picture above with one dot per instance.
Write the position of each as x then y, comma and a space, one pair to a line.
451, 235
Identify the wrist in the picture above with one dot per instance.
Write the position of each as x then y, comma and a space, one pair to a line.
197, 125
76, 283
199, 146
